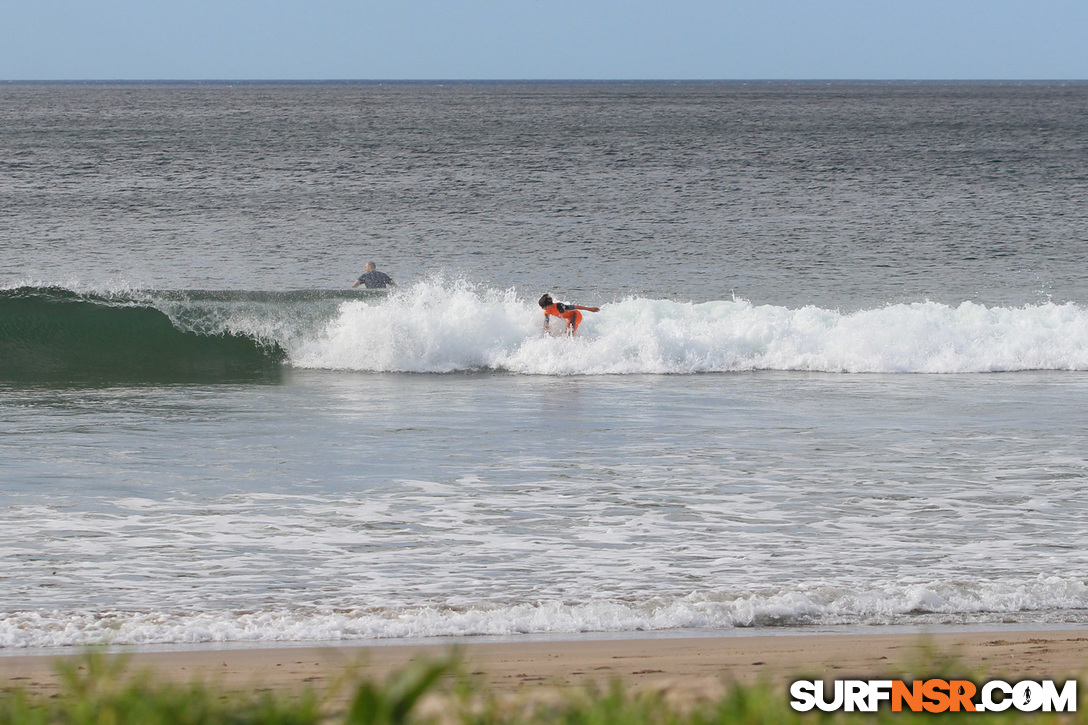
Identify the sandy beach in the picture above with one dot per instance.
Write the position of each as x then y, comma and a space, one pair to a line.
685, 666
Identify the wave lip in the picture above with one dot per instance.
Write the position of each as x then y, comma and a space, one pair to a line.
54, 334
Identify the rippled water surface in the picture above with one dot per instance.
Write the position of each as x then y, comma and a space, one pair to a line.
838, 375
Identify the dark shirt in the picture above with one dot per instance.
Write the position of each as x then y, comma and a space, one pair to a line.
375, 279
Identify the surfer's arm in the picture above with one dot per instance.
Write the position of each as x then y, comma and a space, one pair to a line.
581, 307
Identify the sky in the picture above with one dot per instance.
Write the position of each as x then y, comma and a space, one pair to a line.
543, 39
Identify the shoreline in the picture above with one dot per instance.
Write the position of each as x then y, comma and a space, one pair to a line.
688, 666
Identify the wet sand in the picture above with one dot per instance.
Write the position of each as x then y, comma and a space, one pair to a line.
686, 666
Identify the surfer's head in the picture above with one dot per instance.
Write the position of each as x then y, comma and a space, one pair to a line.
370, 266
546, 301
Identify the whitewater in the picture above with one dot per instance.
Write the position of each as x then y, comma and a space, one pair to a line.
439, 328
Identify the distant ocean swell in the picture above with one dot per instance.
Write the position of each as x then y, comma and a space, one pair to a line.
931, 603
442, 327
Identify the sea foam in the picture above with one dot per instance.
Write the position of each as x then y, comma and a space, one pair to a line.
824, 605
443, 327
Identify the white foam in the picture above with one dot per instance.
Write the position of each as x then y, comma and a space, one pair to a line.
430, 327
920, 603
440, 326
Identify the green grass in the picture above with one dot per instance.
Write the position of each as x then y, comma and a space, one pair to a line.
103, 690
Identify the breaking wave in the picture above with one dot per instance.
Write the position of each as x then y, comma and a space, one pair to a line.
441, 326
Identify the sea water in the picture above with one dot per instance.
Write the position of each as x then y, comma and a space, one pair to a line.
838, 376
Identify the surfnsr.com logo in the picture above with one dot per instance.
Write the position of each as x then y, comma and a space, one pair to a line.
934, 695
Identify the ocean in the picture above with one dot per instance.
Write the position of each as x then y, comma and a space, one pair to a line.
838, 378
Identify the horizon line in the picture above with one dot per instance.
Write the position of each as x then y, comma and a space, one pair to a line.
531, 80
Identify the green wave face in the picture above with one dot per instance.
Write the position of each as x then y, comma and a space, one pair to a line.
55, 335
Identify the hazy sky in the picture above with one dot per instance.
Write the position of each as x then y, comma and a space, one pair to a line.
543, 39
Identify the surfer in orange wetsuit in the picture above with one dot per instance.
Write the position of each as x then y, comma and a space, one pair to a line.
570, 313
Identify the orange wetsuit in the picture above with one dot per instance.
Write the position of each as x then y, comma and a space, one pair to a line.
572, 316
